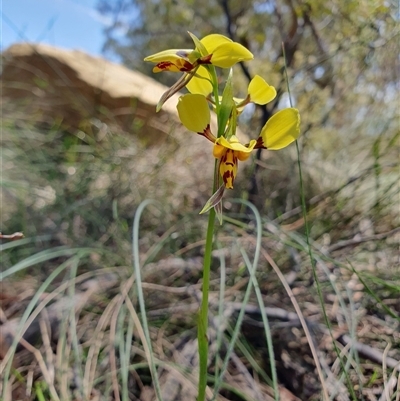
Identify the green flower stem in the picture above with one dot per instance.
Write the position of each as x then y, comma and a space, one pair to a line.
203, 317
202, 326
214, 79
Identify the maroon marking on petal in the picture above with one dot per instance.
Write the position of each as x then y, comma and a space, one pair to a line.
205, 59
228, 175
259, 144
186, 66
164, 65
208, 134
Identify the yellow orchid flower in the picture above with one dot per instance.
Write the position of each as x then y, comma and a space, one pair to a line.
213, 49
281, 130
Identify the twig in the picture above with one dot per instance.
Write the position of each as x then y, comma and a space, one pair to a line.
368, 352
274, 313
357, 241
12, 237
43, 367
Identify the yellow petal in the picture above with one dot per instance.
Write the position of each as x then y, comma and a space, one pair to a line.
242, 156
281, 129
234, 144
169, 55
174, 60
228, 168
227, 55
210, 42
176, 66
260, 92
194, 112
200, 83
218, 150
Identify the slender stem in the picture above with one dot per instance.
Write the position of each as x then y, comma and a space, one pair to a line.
310, 253
202, 326
203, 317
214, 80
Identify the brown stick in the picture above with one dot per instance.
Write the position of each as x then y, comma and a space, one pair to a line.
12, 237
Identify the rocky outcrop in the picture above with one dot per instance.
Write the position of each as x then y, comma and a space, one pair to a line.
52, 84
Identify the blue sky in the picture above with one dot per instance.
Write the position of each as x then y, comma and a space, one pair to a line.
71, 24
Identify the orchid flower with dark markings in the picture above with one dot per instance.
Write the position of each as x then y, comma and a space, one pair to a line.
280, 130
214, 49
